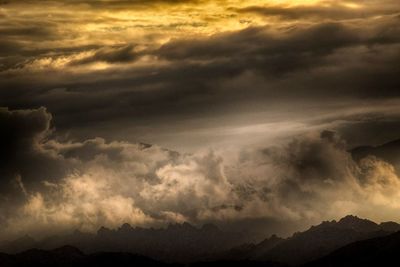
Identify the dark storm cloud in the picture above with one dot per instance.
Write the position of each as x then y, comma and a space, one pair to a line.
312, 172
9, 47
110, 55
136, 3
107, 4
21, 154
24, 164
21, 132
256, 49
302, 44
32, 32
22, 32
370, 129
335, 11
324, 61
313, 166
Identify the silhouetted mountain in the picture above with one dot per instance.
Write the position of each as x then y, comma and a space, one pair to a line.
389, 152
71, 257
390, 226
356, 224
322, 239
177, 242
68, 256
263, 247
250, 251
18, 245
309, 245
380, 251
187, 244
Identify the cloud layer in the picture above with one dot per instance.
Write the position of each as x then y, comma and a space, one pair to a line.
202, 68
313, 177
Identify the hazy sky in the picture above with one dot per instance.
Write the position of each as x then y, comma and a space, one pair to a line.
240, 113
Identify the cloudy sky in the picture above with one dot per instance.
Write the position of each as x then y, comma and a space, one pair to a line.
239, 113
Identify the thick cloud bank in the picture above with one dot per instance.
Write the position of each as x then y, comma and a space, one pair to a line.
50, 186
190, 73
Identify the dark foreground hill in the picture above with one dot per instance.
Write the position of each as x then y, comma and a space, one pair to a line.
380, 251
71, 257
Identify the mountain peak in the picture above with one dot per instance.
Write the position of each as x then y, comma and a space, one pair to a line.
126, 227
178, 226
358, 224
350, 219
103, 231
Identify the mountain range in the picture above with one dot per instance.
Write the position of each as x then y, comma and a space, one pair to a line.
186, 244
389, 152
316, 242
68, 256
175, 243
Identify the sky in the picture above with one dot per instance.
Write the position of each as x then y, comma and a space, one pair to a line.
239, 113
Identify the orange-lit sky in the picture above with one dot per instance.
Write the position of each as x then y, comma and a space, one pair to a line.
54, 25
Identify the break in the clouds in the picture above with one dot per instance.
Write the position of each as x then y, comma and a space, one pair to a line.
230, 112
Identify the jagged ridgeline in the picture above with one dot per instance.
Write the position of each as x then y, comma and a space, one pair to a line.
208, 245
177, 242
